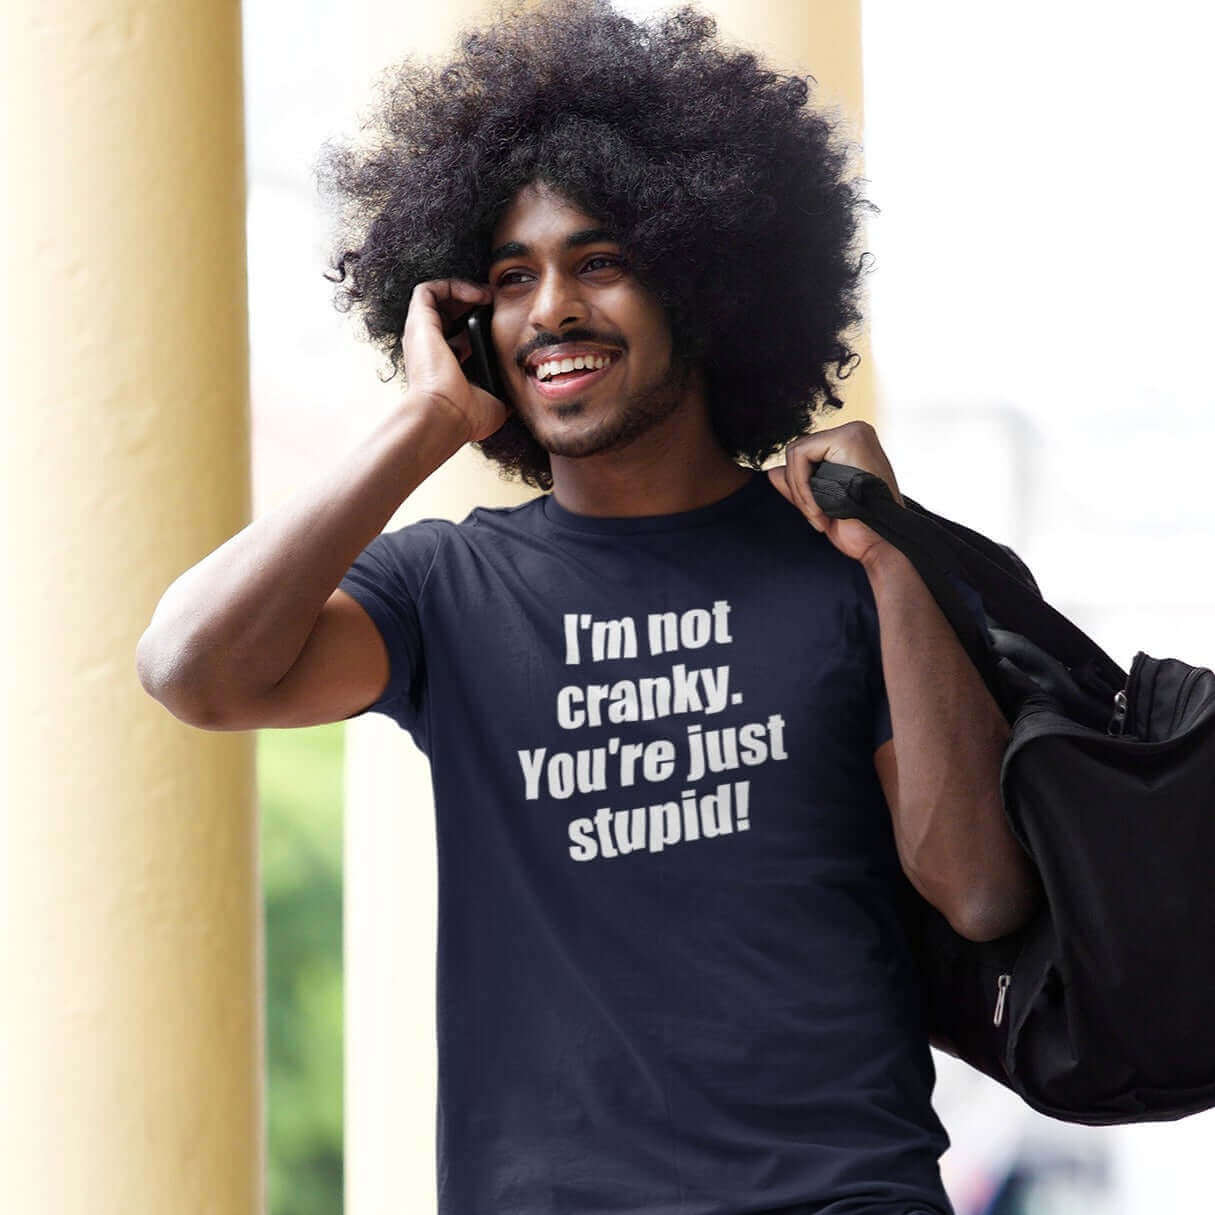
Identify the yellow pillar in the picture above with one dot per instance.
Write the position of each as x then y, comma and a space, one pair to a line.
821, 39
130, 1033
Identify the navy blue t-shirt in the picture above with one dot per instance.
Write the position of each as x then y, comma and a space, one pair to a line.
671, 974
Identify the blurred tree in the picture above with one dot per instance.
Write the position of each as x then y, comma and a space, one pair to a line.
300, 793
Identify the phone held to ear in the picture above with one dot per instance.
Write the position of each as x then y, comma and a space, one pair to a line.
481, 366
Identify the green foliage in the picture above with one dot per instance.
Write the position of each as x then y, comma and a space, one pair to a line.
300, 792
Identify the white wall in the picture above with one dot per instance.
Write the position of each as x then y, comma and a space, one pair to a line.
1041, 310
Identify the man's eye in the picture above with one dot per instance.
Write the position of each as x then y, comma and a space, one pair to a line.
604, 257
610, 261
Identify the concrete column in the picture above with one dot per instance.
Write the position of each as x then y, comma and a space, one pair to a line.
823, 40
130, 1031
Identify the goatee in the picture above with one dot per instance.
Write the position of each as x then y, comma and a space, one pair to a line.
642, 411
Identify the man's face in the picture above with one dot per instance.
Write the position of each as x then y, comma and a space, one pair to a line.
562, 289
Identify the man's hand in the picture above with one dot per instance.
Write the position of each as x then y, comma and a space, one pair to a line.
434, 362
855, 444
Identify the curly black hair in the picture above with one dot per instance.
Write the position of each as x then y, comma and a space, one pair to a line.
732, 196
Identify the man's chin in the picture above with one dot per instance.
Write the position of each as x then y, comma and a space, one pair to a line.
572, 445
572, 431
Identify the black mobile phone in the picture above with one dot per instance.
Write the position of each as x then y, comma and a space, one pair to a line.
481, 366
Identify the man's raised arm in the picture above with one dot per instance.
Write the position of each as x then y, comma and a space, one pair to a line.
222, 648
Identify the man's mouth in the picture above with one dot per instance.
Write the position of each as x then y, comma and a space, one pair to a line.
565, 383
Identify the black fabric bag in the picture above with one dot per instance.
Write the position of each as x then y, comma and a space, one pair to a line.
1101, 1010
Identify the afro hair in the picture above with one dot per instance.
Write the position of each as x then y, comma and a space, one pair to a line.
731, 195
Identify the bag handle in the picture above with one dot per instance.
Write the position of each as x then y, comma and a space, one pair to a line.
938, 547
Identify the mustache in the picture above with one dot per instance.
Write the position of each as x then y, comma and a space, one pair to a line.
543, 340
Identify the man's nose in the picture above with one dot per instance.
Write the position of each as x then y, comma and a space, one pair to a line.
557, 303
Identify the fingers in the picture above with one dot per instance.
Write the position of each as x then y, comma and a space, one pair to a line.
436, 312
799, 470
439, 302
776, 474
461, 344
783, 479
853, 443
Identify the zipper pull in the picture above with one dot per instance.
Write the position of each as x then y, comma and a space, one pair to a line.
1118, 720
1001, 988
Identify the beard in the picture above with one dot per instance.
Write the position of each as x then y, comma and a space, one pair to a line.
641, 412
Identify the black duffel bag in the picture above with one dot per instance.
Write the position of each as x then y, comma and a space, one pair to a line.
1101, 1009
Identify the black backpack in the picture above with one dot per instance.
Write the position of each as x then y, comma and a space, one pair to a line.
1101, 1009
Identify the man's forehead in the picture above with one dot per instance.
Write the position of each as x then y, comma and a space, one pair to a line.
539, 211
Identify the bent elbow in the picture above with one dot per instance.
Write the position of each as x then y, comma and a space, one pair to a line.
991, 919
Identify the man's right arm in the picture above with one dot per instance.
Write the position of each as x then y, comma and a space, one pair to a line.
257, 634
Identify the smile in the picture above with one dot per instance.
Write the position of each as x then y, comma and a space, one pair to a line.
567, 385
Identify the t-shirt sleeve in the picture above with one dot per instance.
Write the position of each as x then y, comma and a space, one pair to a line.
883, 730
388, 578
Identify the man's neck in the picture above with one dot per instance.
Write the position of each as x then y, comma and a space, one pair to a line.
673, 468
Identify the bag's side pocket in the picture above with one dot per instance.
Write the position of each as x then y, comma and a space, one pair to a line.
967, 987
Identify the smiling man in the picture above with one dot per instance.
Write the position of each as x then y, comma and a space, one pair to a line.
563, 287
692, 741
546, 251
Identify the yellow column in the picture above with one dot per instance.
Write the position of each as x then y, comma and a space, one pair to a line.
820, 39
130, 1032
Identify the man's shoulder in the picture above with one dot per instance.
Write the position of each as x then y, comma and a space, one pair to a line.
499, 524
434, 535
514, 510
436, 526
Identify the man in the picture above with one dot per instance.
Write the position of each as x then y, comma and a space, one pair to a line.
687, 733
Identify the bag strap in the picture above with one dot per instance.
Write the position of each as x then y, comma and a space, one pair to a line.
938, 547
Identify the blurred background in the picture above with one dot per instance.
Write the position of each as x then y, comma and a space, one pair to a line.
1038, 322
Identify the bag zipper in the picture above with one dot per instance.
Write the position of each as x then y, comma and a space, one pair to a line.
1002, 984
1122, 698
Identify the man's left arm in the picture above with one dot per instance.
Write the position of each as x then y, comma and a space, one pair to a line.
941, 770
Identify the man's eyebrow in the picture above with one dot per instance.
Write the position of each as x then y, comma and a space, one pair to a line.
585, 236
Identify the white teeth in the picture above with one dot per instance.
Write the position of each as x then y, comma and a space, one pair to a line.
580, 362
